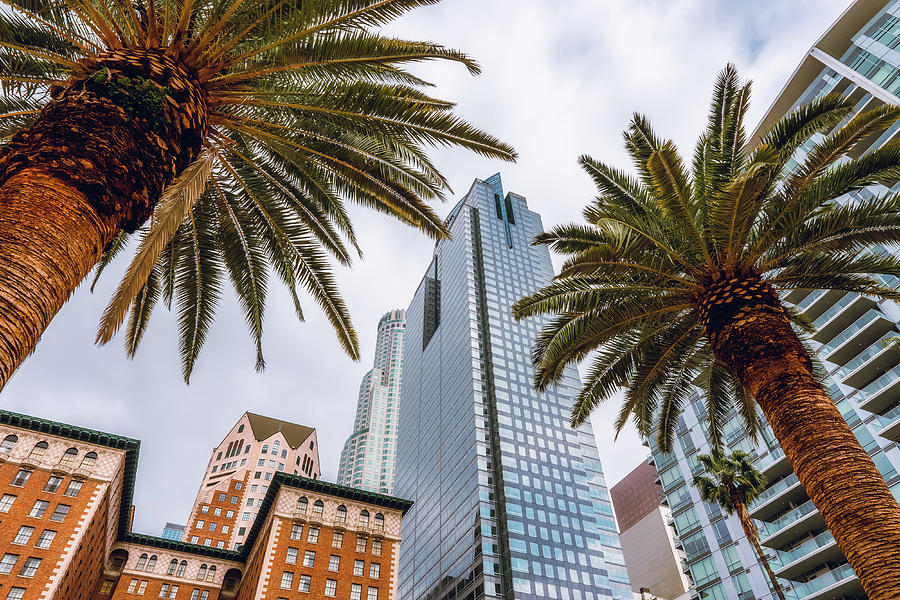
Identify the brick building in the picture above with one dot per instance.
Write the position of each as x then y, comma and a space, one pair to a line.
65, 524
239, 473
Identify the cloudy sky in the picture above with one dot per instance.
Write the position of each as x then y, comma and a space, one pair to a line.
561, 78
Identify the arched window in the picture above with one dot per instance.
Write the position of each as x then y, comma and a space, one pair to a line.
265, 449
151, 564
302, 503
211, 574
68, 459
142, 562
318, 507
38, 451
364, 518
201, 574
172, 566
117, 559
240, 428
88, 461
231, 580
8, 443
181, 568
284, 453
379, 522
341, 517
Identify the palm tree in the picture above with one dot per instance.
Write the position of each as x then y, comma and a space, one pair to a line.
674, 280
733, 484
227, 133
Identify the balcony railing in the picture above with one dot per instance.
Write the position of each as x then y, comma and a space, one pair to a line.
785, 558
850, 331
869, 395
775, 490
768, 528
808, 589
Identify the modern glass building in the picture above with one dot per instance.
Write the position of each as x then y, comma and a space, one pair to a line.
857, 57
367, 460
509, 502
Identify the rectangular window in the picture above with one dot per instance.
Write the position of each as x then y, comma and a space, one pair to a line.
212, 526
74, 488
226, 528
164, 590
291, 557
59, 514
359, 568
287, 580
199, 524
7, 563
374, 570
18, 593
53, 484
132, 586
6, 502
297, 531
309, 557
24, 535
21, 477
217, 512
313, 536
195, 539
46, 539
173, 593
30, 567
143, 587
305, 581
361, 544
337, 539
334, 563
204, 509
245, 516
330, 588
376, 547
106, 588
373, 594
39, 508
355, 592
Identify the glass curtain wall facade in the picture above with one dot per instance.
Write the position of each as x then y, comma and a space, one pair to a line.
509, 502
367, 460
856, 58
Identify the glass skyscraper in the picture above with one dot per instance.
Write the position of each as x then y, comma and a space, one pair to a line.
857, 57
367, 460
509, 502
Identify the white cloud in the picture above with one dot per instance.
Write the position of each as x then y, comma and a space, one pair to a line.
560, 79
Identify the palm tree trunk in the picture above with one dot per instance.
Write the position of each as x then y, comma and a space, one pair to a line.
50, 237
752, 534
85, 169
757, 341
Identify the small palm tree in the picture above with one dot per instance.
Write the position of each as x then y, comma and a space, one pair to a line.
733, 483
674, 280
227, 133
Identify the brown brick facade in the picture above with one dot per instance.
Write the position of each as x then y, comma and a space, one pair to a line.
93, 555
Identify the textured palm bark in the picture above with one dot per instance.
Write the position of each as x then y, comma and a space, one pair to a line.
752, 534
95, 161
752, 334
50, 237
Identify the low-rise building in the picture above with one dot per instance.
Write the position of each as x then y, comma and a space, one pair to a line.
65, 530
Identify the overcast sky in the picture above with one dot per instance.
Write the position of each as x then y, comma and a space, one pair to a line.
561, 78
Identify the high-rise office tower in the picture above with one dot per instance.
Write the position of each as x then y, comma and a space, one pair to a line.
239, 473
648, 541
856, 58
367, 460
509, 502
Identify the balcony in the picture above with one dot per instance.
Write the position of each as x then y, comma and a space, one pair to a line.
790, 526
881, 393
778, 497
796, 296
890, 422
833, 584
809, 555
857, 337
818, 302
872, 362
775, 465
840, 316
